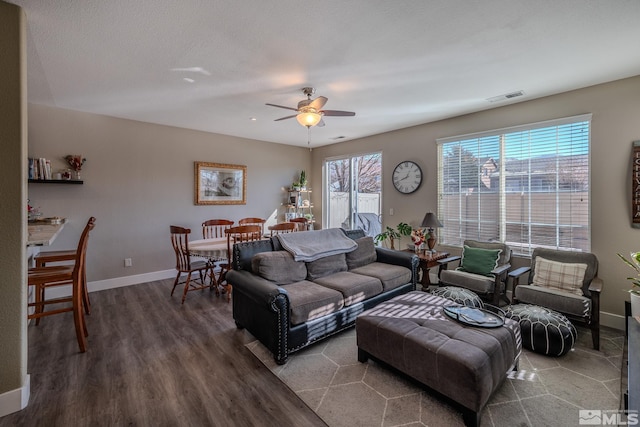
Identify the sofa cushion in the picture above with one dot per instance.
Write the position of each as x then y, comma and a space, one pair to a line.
562, 276
353, 287
391, 276
363, 255
309, 301
278, 267
479, 261
326, 266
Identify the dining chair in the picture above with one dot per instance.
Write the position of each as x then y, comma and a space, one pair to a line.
42, 259
214, 228
283, 227
242, 233
253, 221
184, 265
62, 275
302, 223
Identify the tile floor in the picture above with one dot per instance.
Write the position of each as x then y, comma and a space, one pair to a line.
545, 391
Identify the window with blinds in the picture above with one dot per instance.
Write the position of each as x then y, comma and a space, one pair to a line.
526, 186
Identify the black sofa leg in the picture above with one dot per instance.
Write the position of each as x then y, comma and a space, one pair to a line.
471, 418
363, 356
595, 336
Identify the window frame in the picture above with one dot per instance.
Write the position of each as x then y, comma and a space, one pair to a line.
498, 136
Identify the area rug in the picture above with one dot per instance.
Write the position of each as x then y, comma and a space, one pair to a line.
545, 391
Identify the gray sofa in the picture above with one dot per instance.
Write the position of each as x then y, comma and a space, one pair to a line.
289, 304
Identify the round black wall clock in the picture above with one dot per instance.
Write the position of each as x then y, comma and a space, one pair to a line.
407, 177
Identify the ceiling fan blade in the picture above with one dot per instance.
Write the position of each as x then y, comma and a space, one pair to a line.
318, 103
282, 106
284, 118
337, 113
320, 123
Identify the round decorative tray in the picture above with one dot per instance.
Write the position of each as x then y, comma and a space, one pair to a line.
474, 316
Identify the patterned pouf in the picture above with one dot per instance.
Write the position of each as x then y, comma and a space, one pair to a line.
459, 295
543, 331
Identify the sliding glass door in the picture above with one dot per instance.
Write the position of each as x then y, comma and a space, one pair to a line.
353, 193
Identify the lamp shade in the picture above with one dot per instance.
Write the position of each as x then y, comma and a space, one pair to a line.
308, 119
431, 221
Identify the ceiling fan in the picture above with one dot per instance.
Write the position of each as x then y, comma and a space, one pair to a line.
310, 112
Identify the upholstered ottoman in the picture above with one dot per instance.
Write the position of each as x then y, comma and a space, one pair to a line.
543, 331
460, 295
412, 334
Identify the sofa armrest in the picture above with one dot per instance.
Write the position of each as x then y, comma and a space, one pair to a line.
595, 285
443, 264
501, 270
401, 258
515, 275
254, 287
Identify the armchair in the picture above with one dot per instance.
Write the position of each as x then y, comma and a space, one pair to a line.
563, 281
482, 268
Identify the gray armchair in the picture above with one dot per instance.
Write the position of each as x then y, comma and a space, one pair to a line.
490, 284
581, 306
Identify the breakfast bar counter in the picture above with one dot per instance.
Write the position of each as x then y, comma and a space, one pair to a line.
43, 233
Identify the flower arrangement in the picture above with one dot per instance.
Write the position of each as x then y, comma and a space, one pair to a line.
75, 161
418, 236
635, 264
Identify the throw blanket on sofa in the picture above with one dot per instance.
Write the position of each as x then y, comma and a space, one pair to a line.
312, 245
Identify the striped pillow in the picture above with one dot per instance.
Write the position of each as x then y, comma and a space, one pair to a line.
566, 277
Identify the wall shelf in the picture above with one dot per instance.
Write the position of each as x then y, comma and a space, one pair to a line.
56, 181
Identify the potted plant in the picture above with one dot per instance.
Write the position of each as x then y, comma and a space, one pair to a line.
392, 235
635, 281
303, 180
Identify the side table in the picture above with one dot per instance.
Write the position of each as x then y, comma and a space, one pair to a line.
427, 261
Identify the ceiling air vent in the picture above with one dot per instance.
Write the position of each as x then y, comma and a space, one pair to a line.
506, 96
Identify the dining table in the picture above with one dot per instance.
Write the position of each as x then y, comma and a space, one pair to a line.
214, 250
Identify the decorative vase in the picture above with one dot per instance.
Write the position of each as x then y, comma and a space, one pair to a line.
419, 248
77, 174
635, 304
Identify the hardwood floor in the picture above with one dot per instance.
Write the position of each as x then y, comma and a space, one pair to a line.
153, 362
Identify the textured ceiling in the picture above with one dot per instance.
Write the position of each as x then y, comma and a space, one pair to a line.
395, 63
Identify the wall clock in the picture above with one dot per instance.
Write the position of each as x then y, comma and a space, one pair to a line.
407, 177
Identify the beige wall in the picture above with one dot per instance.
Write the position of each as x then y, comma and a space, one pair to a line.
616, 123
139, 179
13, 136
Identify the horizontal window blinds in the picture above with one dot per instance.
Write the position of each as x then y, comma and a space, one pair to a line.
527, 186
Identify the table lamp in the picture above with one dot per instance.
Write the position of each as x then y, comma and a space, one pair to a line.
431, 221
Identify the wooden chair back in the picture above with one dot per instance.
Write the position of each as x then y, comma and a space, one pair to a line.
302, 223
283, 227
253, 221
180, 243
242, 233
214, 228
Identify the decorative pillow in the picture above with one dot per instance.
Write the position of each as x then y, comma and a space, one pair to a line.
567, 277
326, 266
278, 267
364, 254
479, 260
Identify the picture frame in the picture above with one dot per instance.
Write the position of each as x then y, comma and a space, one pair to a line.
220, 184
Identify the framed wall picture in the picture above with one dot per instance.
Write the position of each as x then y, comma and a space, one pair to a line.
220, 184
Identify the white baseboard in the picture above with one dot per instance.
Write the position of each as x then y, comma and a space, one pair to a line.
615, 321
15, 400
117, 282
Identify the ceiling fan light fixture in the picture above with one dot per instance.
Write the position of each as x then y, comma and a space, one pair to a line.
309, 119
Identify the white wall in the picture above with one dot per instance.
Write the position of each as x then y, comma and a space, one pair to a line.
616, 123
139, 179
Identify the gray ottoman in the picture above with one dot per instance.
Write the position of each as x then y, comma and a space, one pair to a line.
543, 331
460, 295
465, 364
